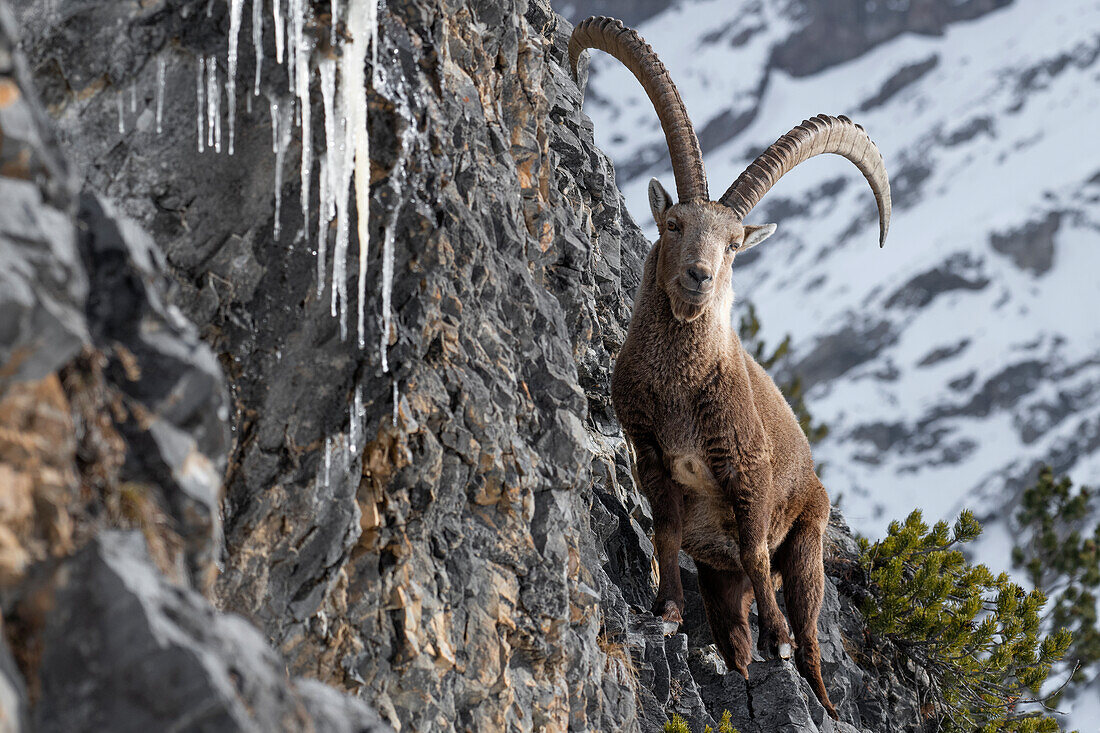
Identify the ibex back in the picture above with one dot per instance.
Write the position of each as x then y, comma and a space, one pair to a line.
718, 451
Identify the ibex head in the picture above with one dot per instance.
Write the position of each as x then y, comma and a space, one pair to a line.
699, 237
697, 244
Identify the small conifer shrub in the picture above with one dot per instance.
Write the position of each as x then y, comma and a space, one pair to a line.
975, 634
679, 725
1058, 539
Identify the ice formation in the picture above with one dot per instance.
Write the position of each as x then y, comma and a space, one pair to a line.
396, 402
200, 100
328, 460
258, 42
236, 9
404, 142
327, 197
346, 160
213, 102
274, 126
160, 93
280, 28
362, 25
355, 419
281, 124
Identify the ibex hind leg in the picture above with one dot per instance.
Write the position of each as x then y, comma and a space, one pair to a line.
727, 597
799, 561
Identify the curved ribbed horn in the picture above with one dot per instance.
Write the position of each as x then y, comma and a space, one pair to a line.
611, 36
821, 134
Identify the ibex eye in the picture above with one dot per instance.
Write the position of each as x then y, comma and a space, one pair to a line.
672, 226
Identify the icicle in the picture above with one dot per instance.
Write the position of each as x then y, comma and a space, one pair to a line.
280, 28
340, 257
160, 93
274, 125
388, 246
343, 219
387, 286
354, 418
334, 6
328, 95
322, 235
212, 98
396, 402
290, 67
121, 116
302, 49
362, 214
258, 41
334, 191
328, 460
353, 425
236, 9
201, 103
133, 98
280, 122
212, 66
372, 10
362, 24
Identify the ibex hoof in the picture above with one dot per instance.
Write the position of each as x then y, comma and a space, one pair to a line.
771, 647
671, 617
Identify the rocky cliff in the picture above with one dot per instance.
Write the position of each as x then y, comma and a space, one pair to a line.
219, 513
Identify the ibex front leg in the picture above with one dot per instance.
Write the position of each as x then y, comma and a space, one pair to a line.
747, 482
667, 501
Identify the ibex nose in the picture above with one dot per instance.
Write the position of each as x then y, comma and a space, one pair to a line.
699, 277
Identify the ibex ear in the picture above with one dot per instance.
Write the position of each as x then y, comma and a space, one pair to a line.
754, 235
659, 201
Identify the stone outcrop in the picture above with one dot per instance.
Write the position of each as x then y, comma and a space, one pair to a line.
470, 550
113, 440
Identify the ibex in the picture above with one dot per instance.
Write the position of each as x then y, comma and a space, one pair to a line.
718, 451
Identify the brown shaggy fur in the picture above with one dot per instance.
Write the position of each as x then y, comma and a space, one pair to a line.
719, 452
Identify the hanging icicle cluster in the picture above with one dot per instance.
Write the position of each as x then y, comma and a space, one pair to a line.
345, 165
346, 161
344, 168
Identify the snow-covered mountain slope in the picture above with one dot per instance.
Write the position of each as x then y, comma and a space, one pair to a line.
954, 361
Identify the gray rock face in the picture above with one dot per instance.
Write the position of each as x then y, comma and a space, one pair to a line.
840, 30
113, 412
1031, 247
42, 283
469, 551
125, 650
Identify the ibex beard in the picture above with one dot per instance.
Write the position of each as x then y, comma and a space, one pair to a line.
718, 451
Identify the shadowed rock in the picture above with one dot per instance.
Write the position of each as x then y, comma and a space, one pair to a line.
124, 650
